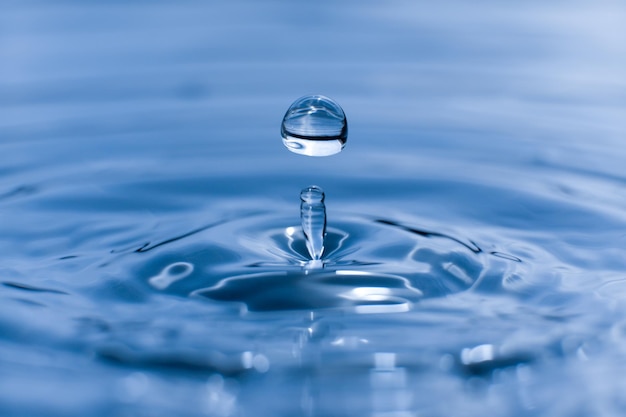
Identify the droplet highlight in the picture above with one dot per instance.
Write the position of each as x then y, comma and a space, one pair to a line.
170, 274
315, 126
313, 217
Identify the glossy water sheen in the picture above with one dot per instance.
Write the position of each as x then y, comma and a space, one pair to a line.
152, 257
313, 218
314, 126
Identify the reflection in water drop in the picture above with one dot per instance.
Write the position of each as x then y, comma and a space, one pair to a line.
170, 274
315, 126
313, 217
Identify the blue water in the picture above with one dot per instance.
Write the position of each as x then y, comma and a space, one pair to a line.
151, 261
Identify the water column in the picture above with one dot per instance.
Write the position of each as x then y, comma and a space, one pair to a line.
313, 217
314, 126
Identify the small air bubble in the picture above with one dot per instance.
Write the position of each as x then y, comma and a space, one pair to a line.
315, 126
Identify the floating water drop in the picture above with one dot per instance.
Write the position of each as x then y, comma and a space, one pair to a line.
313, 217
315, 126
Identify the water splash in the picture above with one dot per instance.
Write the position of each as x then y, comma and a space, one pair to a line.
315, 126
313, 217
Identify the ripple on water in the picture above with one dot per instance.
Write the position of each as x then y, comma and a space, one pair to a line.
369, 265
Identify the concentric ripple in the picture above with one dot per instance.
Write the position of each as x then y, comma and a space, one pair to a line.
369, 265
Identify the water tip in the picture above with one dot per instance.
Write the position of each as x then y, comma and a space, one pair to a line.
312, 194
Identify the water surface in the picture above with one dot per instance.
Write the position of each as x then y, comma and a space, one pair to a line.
151, 258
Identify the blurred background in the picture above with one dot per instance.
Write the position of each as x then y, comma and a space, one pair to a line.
536, 71
128, 126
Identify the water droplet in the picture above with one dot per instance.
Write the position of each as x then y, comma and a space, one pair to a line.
313, 217
315, 126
